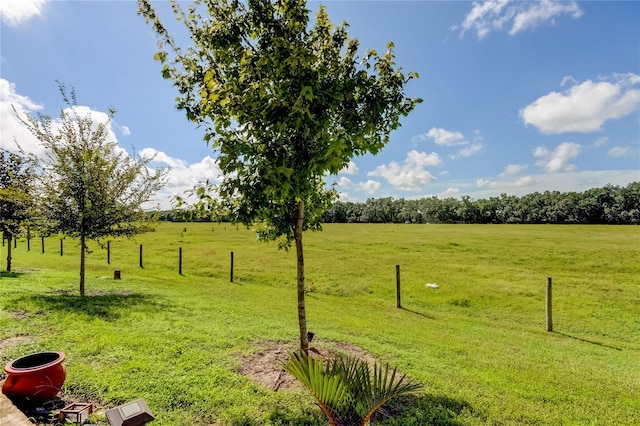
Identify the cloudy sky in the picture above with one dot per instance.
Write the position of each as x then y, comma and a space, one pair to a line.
518, 96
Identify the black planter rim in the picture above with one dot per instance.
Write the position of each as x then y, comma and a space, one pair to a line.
35, 361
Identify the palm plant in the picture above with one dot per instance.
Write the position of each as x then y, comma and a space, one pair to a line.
347, 389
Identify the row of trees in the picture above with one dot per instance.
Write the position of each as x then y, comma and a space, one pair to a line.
85, 186
607, 205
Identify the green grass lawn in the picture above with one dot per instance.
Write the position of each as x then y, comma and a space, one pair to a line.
478, 343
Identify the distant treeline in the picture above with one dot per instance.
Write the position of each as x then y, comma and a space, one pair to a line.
607, 205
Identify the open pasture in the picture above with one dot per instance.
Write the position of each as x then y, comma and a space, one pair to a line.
478, 343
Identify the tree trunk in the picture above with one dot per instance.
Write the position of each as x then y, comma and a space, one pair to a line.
302, 315
9, 252
82, 254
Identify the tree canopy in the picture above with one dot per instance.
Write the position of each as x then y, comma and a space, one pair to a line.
606, 205
89, 188
17, 176
284, 103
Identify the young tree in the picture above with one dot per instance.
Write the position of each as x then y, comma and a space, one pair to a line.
17, 174
285, 104
90, 188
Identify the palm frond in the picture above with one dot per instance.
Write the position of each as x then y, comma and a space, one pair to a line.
347, 389
328, 390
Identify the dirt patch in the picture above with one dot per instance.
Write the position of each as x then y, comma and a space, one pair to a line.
20, 315
24, 315
265, 366
15, 340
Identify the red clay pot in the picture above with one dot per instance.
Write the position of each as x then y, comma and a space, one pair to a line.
35, 378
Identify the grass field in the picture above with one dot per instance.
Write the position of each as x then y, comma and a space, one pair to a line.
478, 343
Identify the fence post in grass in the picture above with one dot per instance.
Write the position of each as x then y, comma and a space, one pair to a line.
42, 241
398, 286
28, 243
141, 256
180, 261
108, 252
549, 312
15, 242
231, 269
61, 247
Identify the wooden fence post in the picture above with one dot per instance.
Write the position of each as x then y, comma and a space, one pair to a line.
231, 269
42, 240
141, 256
549, 306
61, 247
108, 252
180, 261
398, 286
15, 242
28, 243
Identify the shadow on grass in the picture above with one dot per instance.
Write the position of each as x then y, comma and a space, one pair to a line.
588, 341
417, 410
7, 274
108, 306
407, 410
418, 313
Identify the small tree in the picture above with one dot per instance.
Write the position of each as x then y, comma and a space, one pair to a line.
90, 188
285, 104
17, 174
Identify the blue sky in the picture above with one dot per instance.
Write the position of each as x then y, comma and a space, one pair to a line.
518, 96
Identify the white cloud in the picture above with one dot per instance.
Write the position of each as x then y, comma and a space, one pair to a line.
486, 17
344, 182
444, 137
468, 151
568, 79
162, 158
449, 192
350, 169
497, 15
521, 182
10, 126
182, 175
344, 197
585, 106
14, 12
620, 151
422, 158
513, 169
601, 141
13, 130
125, 130
369, 187
449, 138
557, 160
97, 118
542, 12
411, 175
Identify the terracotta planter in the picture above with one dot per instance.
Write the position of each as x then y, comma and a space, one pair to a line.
35, 378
